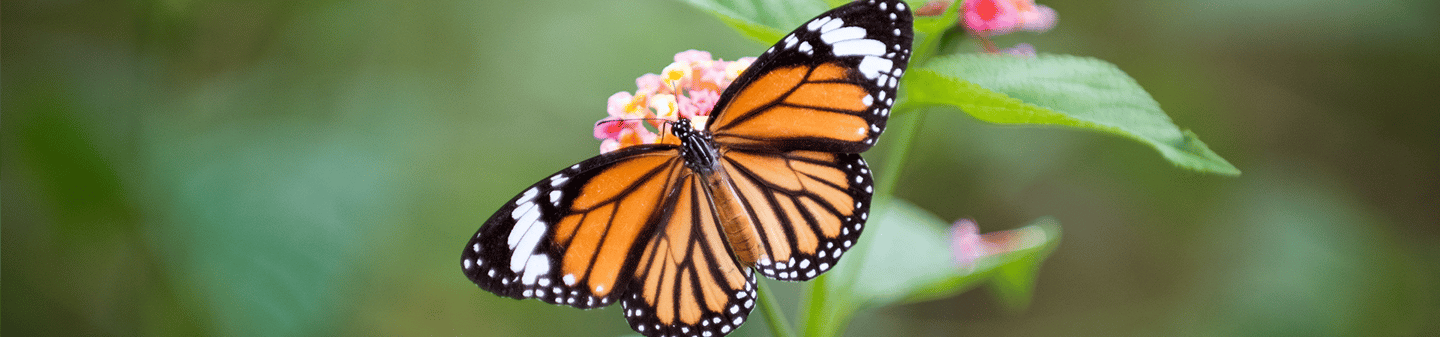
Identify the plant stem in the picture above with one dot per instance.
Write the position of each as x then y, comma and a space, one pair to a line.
813, 305
779, 327
909, 124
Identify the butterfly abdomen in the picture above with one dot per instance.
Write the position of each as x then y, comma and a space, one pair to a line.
740, 233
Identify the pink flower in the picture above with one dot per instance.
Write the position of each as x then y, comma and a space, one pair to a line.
993, 17
968, 246
1035, 18
998, 17
687, 88
699, 103
692, 56
608, 145
609, 128
650, 83
617, 105
965, 243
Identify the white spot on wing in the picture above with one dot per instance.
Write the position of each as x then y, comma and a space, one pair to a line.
526, 218
832, 25
842, 34
528, 196
815, 24
859, 47
872, 66
527, 244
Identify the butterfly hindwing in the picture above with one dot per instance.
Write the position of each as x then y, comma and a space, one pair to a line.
827, 86
810, 207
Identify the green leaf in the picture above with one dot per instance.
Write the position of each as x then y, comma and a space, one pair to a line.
1059, 90
764, 21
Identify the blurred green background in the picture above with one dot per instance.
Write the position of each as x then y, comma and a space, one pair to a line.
313, 168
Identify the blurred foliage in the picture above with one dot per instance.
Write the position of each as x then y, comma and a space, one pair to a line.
286, 168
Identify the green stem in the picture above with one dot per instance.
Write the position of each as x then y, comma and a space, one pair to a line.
779, 327
813, 302
908, 121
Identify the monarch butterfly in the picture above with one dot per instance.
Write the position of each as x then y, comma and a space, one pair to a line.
774, 183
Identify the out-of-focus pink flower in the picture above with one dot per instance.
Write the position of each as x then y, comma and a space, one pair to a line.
1035, 18
687, 88
967, 245
992, 17
998, 17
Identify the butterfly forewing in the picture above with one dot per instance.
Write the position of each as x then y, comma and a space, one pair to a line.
827, 86
568, 238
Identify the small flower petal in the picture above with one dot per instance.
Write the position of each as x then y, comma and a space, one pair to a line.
692, 57
965, 244
650, 84
617, 104
608, 145
665, 106
609, 129
1038, 18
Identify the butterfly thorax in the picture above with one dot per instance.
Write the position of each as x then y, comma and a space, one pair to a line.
696, 147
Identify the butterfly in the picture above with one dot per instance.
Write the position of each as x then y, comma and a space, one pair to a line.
773, 183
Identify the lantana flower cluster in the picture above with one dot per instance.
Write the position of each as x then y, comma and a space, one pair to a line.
987, 18
687, 88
